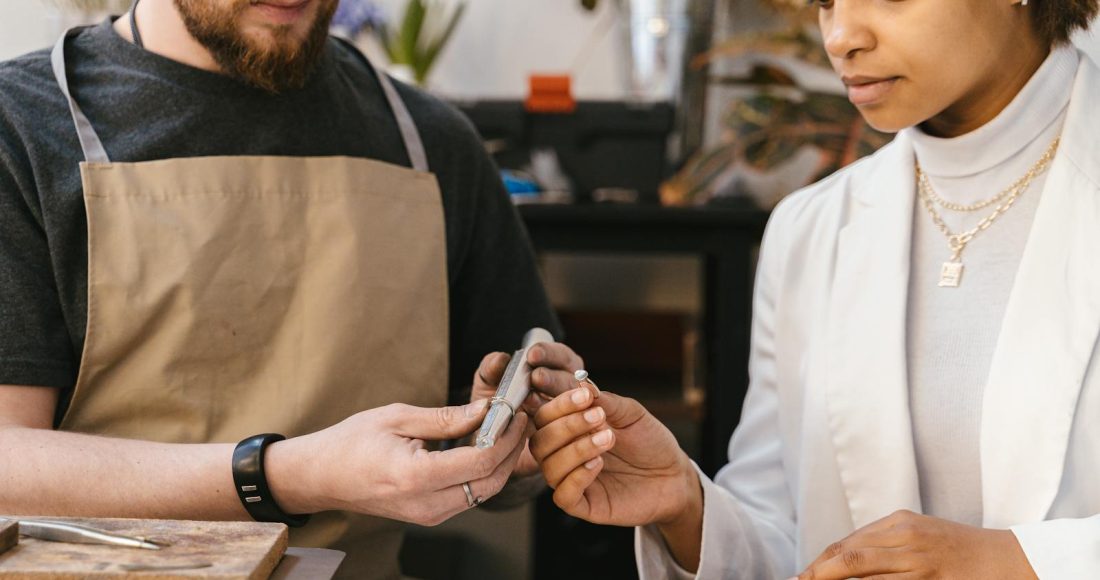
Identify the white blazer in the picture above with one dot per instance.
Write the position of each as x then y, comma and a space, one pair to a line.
825, 443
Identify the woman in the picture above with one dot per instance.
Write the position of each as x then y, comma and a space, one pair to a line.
925, 396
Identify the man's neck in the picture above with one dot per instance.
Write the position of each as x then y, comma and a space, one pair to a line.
163, 32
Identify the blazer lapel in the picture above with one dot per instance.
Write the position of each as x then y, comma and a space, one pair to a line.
867, 383
1049, 331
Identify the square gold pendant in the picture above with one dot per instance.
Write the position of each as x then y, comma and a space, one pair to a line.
951, 274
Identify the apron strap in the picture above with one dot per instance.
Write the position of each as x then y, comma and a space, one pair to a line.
409, 133
89, 141
133, 25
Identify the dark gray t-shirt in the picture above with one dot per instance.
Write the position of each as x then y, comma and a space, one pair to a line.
148, 107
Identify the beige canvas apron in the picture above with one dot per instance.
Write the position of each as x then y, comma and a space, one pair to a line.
229, 296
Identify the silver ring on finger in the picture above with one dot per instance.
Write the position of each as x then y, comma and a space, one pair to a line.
471, 500
582, 377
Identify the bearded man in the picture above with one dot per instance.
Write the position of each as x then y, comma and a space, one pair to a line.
242, 275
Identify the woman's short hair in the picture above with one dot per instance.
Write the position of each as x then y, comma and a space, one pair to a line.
1057, 20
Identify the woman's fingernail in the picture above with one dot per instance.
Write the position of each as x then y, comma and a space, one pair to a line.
595, 462
534, 355
603, 438
580, 396
593, 415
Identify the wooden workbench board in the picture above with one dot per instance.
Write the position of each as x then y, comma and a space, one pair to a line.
236, 550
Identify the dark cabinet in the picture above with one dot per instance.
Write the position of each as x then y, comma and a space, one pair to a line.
726, 240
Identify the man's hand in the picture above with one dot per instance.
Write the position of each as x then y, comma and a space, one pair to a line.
554, 364
905, 546
375, 462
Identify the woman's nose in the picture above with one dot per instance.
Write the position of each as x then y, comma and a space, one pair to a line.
845, 31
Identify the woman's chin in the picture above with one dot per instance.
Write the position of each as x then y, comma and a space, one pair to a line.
885, 121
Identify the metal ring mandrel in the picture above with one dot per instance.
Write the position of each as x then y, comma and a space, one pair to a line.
513, 389
582, 377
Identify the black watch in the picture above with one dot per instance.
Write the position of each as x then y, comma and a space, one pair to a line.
251, 483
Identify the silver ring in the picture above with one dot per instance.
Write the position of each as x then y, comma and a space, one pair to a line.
496, 400
582, 377
471, 501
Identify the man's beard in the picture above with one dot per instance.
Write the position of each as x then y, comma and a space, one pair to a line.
275, 65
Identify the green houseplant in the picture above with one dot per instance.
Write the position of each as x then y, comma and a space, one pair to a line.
785, 120
782, 122
424, 31
414, 44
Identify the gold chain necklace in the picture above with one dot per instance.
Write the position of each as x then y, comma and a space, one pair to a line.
951, 273
927, 185
923, 177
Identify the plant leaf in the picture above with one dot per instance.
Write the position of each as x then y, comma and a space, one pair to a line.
389, 43
404, 49
437, 44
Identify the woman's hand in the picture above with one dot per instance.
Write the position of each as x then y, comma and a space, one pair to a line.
554, 364
906, 545
611, 462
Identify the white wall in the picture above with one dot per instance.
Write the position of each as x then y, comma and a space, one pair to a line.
25, 25
494, 49
497, 44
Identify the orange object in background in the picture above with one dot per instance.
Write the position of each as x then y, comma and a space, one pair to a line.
550, 94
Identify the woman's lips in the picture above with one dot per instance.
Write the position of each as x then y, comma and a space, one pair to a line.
866, 90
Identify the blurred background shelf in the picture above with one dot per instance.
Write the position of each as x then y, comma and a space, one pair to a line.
726, 241
687, 361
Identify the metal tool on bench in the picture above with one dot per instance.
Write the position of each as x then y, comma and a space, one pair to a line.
77, 534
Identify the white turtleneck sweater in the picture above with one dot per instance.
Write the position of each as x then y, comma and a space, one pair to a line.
952, 332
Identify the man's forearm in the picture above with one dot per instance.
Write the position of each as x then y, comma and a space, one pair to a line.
48, 472
373, 463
